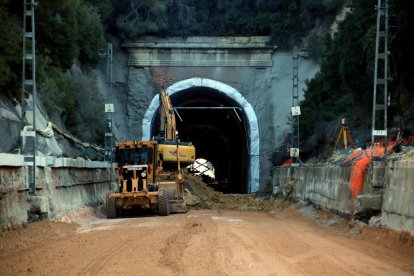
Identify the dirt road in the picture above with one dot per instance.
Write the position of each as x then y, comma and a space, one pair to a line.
203, 242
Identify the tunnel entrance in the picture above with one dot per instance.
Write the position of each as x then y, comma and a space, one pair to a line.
214, 123
221, 124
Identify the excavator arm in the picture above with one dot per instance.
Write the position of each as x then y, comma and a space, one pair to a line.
167, 124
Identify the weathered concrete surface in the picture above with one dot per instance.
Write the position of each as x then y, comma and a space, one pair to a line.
201, 51
13, 196
368, 202
328, 187
398, 205
324, 186
62, 185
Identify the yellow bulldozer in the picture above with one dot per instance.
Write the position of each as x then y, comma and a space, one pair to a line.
149, 172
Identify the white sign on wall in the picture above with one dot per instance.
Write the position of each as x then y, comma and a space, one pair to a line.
109, 108
295, 110
294, 152
379, 132
28, 133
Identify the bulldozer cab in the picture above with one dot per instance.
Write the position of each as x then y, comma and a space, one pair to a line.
136, 161
134, 153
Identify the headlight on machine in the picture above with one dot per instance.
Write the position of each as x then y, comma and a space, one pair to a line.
143, 174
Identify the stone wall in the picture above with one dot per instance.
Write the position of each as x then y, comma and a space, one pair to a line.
62, 185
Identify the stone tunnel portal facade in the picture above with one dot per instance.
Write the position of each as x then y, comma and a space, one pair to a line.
228, 137
245, 72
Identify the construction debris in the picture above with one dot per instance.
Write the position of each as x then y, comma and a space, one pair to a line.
199, 195
375, 222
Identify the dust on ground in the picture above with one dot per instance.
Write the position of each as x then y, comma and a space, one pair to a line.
199, 195
34, 234
238, 234
294, 241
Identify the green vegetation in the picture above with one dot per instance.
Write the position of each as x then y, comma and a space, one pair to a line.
10, 49
74, 31
344, 84
59, 94
66, 31
288, 22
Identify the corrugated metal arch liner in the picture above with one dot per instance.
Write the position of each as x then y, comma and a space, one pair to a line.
253, 127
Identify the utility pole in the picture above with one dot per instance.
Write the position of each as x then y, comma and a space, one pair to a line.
29, 85
109, 110
380, 94
294, 150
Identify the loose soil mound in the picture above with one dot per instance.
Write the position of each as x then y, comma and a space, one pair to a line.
33, 234
200, 195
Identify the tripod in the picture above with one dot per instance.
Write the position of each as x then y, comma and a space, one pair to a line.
346, 134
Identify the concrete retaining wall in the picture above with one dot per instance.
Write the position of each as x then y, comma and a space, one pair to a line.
324, 186
62, 185
398, 203
328, 187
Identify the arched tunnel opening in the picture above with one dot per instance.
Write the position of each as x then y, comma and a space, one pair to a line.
216, 125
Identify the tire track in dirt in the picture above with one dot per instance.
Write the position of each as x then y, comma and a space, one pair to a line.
207, 242
313, 252
95, 267
349, 260
210, 252
177, 243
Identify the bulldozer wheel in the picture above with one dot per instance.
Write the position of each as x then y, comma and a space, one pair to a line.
110, 207
172, 193
163, 204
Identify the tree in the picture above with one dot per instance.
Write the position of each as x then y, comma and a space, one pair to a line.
402, 60
10, 51
344, 84
90, 35
68, 30
57, 31
143, 17
287, 21
59, 95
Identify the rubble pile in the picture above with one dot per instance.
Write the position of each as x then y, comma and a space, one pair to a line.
199, 195
345, 156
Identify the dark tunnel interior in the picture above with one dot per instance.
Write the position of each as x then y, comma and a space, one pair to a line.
219, 135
